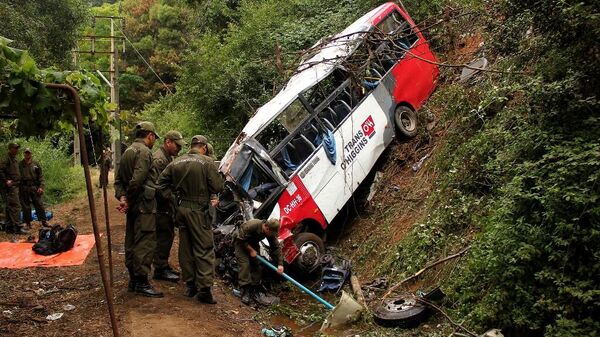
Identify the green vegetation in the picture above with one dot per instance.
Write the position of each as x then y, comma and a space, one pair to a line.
518, 178
36, 108
63, 180
46, 28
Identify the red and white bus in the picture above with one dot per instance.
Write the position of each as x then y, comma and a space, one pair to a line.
304, 153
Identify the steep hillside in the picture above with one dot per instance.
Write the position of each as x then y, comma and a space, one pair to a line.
511, 170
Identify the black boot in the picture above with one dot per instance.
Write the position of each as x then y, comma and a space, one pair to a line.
143, 287
190, 289
16, 230
205, 296
165, 274
246, 294
131, 285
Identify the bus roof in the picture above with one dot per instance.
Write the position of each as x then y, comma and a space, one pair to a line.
313, 70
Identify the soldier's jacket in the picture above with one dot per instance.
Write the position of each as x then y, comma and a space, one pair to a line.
134, 179
192, 178
160, 160
251, 233
31, 174
9, 170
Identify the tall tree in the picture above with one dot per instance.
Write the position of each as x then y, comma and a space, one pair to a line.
47, 28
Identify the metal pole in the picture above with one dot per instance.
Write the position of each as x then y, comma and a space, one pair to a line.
103, 182
108, 237
114, 97
108, 293
76, 150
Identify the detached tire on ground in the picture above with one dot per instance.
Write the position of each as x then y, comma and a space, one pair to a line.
403, 311
406, 122
311, 249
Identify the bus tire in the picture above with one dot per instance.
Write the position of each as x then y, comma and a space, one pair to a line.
406, 121
311, 249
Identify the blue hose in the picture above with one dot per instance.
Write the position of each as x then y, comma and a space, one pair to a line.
296, 283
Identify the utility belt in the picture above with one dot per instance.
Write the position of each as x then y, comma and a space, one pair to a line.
194, 203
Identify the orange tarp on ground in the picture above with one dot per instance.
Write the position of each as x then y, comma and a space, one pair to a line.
20, 255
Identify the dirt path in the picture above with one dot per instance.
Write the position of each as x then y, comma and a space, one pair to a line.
23, 307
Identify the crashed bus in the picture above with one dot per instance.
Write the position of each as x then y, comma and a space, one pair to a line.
303, 154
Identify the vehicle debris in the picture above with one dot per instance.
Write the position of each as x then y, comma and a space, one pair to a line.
374, 186
68, 307
469, 73
280, 331
335, 275
417, 166
55, 316
402, 311
493, 333
380, 283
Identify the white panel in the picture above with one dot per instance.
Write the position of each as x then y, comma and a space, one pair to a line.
356, 151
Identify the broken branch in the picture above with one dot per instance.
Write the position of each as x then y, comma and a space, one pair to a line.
447, 316
415, 275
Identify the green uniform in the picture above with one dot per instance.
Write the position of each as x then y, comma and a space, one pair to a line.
9, 170
134, 180
165, 208
251, 233
31, 180
193, 178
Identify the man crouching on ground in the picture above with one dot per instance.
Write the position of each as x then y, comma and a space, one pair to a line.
246, 243
193, 177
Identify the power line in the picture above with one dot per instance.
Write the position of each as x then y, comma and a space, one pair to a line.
146, 62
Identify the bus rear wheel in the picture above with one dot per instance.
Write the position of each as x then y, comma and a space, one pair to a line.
405, 119
311, 248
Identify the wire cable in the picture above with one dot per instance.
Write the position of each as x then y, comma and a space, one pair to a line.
146, 62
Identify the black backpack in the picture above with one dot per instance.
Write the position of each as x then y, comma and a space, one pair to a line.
55, 240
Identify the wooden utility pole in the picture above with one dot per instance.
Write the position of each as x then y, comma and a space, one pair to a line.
113, 53
114, 97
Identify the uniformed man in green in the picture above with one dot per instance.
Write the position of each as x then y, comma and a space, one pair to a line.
165, 227
247, 246
135, 190
193, 177
31, 189
10, 176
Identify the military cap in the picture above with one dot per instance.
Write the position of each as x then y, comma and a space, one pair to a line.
176, 137
147, 126
210, 151
27, 150
199, 139
13, 145
273, 225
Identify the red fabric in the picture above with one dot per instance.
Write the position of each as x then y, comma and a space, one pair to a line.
20, 255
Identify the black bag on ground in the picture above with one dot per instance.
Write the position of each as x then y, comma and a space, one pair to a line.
55, 240
65, 239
